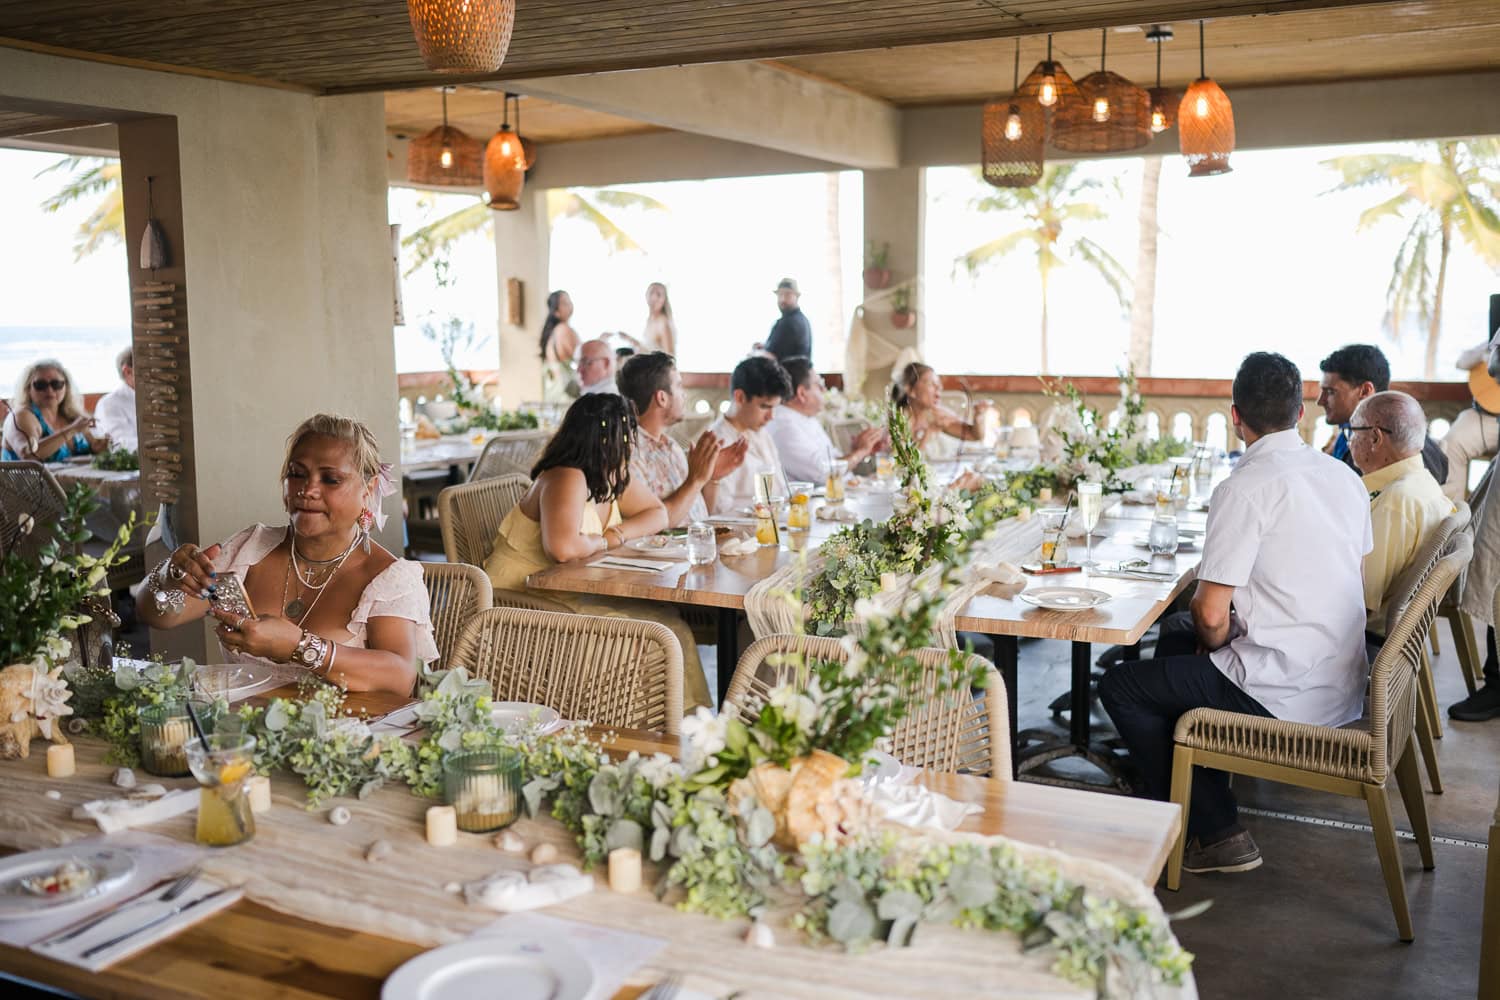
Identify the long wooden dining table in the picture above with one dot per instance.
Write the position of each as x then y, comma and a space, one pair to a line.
250, 949
999, 612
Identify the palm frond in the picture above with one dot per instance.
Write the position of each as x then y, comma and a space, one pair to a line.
615, 198
977, 258
437, 237
1113, 273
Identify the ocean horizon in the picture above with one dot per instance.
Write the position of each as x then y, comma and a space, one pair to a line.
88, 352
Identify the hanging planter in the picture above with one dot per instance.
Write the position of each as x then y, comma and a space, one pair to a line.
462, 36
877, 274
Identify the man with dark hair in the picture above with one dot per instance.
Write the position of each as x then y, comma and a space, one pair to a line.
1354, 373
801, 441
686, 482
758, 385
791, 335
1286, 534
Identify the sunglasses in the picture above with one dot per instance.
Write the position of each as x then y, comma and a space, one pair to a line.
43, 384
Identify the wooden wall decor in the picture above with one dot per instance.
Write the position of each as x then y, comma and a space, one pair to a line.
160, 339
515, 308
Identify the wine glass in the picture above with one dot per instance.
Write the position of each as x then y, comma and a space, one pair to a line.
1090, 506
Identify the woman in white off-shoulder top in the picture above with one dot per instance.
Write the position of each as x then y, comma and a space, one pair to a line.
325, 597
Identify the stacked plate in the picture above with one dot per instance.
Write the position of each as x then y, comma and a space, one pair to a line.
1064, 598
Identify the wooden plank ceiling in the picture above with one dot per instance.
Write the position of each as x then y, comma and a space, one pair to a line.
334, 45
19, 123
412, 112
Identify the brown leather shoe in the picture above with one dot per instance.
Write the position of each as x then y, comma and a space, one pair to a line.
1232, 854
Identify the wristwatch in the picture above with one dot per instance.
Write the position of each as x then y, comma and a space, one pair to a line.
310, 650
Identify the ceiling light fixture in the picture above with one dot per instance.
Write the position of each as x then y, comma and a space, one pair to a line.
1163, 101
444, 156
1013, 136
1113, 116
462, 36
1205, 123
505, 164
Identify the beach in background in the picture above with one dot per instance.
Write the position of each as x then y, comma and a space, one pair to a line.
88, 352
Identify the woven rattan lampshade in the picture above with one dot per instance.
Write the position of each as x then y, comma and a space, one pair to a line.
1049, 80
462, 36
1127, 124
1163, 108
504, 170
424, 158
1013, 134
1205, 128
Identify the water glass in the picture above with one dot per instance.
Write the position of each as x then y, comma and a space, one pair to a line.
483, 787
701, 545
1163, 539
223, 766
165, 730
1052, 519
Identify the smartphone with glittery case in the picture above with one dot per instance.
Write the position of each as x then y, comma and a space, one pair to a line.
230, 596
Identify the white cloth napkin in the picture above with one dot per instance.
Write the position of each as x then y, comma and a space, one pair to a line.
917, 806
638, 565
838, 513
738, 547
511, 891
114, 815
1001, 572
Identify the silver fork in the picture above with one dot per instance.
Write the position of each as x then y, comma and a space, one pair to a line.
666, 989
171, 892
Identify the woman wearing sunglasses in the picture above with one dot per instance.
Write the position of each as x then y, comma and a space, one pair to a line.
47, 421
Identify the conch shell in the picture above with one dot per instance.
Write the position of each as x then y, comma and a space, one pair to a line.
810, 796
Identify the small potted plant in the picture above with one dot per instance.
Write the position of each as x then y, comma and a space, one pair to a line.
902, 314
877, 273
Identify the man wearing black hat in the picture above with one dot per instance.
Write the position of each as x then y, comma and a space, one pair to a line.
791, 335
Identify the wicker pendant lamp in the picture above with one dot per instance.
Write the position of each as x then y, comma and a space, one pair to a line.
445, 156
1050, 87
505, 165
1205, 123
1013, 137
462, 36
1163, 100
1114, 115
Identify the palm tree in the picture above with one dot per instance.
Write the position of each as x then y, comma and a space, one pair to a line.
1443, 190
589, 204
1050, 211
90, 177
1143, 302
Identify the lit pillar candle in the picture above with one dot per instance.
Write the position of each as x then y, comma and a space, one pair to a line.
625, 869
259, 788
1044, 494
442, 826
60, 761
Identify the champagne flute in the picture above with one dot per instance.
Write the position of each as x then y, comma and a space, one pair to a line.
1090, 506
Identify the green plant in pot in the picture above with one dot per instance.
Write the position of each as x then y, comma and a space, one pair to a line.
877, 261
902, 314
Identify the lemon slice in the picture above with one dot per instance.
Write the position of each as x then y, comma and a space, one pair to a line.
231, 773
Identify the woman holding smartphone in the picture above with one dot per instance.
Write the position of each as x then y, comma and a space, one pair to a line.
327, 598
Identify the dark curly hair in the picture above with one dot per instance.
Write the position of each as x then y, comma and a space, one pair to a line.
1358, 364
1267, 392
595, 439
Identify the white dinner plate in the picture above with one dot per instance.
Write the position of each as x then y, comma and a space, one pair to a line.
236, 681
518, 968
663, 546
110, 867
1064, 598
514, 716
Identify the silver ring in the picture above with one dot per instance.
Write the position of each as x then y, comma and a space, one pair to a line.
240, 623
176, 572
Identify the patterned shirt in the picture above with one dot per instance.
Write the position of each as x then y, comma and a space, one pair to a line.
661, 464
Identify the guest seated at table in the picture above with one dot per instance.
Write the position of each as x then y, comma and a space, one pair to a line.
938, 430
583, 500
596, 368
326, 597
1406, 504
1286, 535
47, 421
1351, 374
115, 412
758, 385
686, 482
801, 441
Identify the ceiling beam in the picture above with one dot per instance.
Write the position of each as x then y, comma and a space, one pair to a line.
755, 103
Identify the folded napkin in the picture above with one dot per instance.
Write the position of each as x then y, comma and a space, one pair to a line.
511, 891
627, 562
738, 547
156, 920
916, 806
838, 513
114, 815
1002, 572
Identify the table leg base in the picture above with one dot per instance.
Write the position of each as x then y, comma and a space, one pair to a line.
1040, 748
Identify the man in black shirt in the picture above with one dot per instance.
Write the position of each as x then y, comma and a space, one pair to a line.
791, 335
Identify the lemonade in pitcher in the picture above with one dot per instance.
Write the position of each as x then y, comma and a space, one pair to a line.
223, 768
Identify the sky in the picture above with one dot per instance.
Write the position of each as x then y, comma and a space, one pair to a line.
1257, 259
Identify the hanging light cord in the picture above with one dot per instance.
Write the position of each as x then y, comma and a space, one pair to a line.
445, 112
1103, 44
1158, 64
1016, 83
1049, 50
1202, 67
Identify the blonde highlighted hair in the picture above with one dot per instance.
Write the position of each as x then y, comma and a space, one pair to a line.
364, 448
71, 407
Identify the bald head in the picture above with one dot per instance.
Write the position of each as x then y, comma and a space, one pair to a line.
596, 363
1386, 428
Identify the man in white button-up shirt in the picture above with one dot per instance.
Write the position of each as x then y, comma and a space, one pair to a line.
1278, 614
801, 441
114, 414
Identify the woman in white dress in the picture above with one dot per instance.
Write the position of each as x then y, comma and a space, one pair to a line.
938, 430
326, 598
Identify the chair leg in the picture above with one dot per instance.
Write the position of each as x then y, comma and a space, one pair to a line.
1390, 859
1432, 634
1410, 784
1429, 750
1476, 657
1427, 697
1182, 794
1467, 648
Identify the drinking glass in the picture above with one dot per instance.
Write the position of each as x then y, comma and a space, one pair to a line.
836, 469
1182, 476
885, 466
165, 730
1052, 528
765, 482
701, 546
483, 787
1163, 538
1090, 507
1203, 470
222, 765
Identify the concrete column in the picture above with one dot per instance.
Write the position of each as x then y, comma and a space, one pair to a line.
895, 213
522, 244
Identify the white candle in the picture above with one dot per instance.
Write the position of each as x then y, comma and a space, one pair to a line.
60, 762
442, 826
625, 869
259, 788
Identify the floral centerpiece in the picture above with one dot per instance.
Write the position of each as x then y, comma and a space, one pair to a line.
1085, 444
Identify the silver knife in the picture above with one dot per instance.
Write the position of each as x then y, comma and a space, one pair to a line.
182, 908
148, 896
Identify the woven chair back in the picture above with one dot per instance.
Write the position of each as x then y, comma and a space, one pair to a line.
31, 502
456, 593
470, 515
610, 671
1410, 578
844, 432
956, 731
509, 453
689, 429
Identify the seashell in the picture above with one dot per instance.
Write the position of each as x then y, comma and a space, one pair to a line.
151, 791
760, 936
510, 842
338, 815
453, 887
378, 851
123, 777
544, 854
53, 794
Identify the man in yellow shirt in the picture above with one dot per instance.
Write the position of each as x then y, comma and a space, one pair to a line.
1406, 504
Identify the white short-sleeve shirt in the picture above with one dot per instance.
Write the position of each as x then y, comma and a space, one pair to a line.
1288, 530
802, 443
737, 489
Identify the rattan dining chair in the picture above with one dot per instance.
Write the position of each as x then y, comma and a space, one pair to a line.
509, 453
1353, 760
611, 671
1428, 721
843, 433
31, 501
956, 732
469, 515
456, 593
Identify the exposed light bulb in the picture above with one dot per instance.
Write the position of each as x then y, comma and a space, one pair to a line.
1013, 124
446, 158
1101, 109
1158, 119
1201, 108
505, 147
1048, 95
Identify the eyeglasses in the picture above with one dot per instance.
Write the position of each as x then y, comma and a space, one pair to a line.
1368, 427
43, 384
